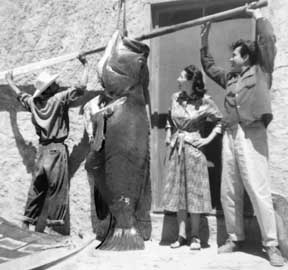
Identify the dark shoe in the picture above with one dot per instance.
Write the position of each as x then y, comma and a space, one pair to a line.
230, 246
274, 256
181, 241
25, 225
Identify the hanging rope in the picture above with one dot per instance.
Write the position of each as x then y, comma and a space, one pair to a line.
120, 2
124, 29
121, 25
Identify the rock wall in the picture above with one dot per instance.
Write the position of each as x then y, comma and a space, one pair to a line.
34, 30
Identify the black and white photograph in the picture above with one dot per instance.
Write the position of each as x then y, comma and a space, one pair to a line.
143, 134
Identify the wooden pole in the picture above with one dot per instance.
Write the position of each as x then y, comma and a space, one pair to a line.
174, 28
41, 64
155, 33
214, 17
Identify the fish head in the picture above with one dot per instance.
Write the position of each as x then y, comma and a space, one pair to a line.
125, 66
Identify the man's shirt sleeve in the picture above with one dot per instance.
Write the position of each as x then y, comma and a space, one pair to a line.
25, 100
72, 94
214, 72
265, 39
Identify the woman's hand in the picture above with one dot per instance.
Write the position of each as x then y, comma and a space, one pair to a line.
167, 141
201, 142
204, 141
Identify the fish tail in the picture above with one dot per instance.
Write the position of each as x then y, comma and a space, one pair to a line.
123, 239
123, 234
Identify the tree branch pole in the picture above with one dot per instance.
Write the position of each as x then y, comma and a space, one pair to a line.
155, 33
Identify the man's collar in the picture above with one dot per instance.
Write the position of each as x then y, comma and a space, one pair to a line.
248, 71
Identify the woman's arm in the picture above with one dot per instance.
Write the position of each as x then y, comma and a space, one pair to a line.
168, 129
204, 141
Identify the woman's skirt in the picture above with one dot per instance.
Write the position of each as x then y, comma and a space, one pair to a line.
186, 181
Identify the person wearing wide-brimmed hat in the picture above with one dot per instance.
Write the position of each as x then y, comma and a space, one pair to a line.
48, 199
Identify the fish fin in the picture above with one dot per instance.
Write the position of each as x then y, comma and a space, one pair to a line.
123, 239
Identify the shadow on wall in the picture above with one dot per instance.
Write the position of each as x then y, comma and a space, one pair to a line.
9, 103
28, 152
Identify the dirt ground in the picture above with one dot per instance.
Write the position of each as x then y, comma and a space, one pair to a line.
35, 30
163, 257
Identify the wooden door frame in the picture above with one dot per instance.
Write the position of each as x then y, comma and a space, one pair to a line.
153, 8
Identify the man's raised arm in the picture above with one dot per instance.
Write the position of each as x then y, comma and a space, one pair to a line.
265, 40
11, 83
216, 73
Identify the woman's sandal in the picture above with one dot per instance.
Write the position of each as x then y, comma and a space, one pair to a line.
181, 241
195, 243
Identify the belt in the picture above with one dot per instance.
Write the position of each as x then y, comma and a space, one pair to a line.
180, 138
46, 142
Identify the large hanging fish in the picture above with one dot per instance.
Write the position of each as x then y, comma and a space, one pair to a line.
124, 73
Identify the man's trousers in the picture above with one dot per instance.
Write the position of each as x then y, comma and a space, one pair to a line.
245, 165
50, 185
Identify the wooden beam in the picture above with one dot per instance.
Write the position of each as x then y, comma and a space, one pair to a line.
168, 6
155, 33
174, 28
41, 64
214, 17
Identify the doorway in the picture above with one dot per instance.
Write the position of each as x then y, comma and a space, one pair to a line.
169, 55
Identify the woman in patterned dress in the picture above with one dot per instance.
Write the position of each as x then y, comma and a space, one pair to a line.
187, 184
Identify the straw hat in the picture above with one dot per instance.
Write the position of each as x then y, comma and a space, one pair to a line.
43, 81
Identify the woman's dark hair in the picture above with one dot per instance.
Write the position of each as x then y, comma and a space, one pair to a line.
194, 74
247, 48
